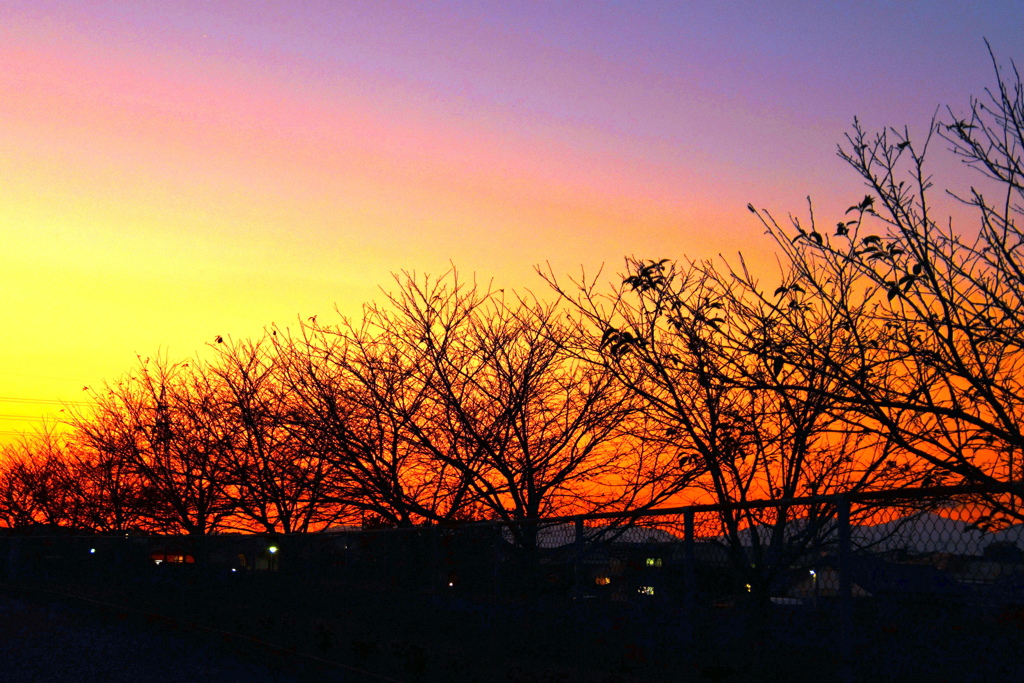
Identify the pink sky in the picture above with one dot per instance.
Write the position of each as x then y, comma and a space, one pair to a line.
173, 171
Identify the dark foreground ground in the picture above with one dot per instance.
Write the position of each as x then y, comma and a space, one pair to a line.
267, 632
67, 633
50, 640
273, 631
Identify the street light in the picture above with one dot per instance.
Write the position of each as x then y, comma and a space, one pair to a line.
272, 562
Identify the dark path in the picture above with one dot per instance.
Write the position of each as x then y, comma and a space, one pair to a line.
58, 642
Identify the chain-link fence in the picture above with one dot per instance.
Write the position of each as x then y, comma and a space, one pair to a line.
908, 585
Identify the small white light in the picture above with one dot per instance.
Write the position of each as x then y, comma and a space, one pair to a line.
233, 569
272, 549
157, 561
814, 574
92, 551
450, 583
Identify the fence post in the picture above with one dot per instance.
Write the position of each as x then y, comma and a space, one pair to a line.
689, 583
577, 595
499, 540
11, 559
577, 569
689, 556
845, 591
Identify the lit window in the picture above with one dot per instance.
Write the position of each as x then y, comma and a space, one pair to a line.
602, 580
653, 561
172, 558
646, 590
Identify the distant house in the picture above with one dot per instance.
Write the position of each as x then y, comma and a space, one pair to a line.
628, 563
874, 577
564, 534
162, 555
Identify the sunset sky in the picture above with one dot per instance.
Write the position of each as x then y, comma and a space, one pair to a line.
173, 171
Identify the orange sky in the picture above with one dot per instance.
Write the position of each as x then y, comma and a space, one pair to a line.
170, 174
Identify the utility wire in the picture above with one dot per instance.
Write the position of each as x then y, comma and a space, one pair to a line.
44, 401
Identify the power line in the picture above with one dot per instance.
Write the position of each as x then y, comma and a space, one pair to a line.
45, 401
30, 433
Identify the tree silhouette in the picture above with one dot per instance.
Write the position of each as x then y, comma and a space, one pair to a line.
524, 428
37, 484
713, 361
269, 477
934, 312
163, 421
355, 395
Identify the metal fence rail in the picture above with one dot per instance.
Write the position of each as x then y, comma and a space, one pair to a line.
900, 585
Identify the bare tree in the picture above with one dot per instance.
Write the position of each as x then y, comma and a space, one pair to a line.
355, 395
158, 421
52, 478
37, 484
934, 311
17, 508
713, 360
116, 497
269, 477
529, 427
